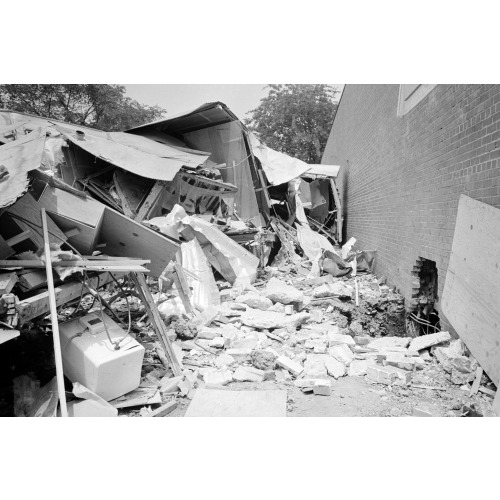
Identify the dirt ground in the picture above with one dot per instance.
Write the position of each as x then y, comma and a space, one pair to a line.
355, 397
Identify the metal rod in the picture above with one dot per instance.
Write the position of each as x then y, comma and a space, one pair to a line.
53, 318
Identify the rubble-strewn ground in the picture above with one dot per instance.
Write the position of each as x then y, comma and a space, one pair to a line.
252, 333
288, 332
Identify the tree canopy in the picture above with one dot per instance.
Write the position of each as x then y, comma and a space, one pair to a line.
295, 119
100, 106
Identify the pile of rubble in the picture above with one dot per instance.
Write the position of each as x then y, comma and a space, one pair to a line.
276, 331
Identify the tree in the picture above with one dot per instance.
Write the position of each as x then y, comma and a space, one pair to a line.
100, 106
295, 119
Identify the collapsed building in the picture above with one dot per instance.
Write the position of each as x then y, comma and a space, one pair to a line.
197, 202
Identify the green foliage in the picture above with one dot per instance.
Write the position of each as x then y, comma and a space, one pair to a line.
100, 106
295, 119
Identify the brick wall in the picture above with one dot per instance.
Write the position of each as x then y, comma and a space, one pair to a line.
401, 177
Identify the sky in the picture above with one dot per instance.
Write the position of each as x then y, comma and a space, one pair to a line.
177, 98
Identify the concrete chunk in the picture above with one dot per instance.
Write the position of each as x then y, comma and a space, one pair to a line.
388, 375
334, 367
207, 333
278, 291
224, 360
358, 368
218, 377
248, 374
400, 361
341, 353
388, 343
425, 341
255, 301
217, 342
338, 338
322, 388
292, 366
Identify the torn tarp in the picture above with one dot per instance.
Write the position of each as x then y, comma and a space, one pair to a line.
313, 244
200, 276
225, 255
17, 158
279, 167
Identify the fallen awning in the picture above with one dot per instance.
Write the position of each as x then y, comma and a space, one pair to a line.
322, 171
206, 115
136, 154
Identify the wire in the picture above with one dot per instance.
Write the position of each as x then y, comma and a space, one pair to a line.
101, 308
418, 320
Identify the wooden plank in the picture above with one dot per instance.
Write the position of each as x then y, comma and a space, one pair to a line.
5, 250
18, 238
53, 317
163, 410
6, 335
7, 282
127, 238
182, 287
477, 381
31, 280
496, 404
150, 201
38, 305
471, 296
338, 206
38, 264
132, 190
126, 205
156, 321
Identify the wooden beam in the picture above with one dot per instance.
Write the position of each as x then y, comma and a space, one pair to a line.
18, 238
127, 209
150, 202
38, 305
7, 282
339, 210
156, 321
107, 265
53, 318
182, 287
163, 410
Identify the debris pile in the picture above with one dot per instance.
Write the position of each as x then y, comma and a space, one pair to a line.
248, 288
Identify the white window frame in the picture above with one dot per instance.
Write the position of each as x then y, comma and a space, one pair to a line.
411, 94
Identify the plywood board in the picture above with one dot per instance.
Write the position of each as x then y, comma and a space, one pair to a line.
226, 403
471, 296
125, 238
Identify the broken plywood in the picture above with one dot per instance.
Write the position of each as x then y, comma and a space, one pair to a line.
220, 403
471, 296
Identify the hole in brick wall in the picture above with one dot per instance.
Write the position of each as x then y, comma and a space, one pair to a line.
422, 317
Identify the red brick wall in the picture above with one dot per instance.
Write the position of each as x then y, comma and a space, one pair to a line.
401, 177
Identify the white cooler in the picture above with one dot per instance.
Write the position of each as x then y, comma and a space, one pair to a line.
91, 359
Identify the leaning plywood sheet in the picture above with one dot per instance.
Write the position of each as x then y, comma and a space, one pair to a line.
225, 403
137, 154
471, 296
124, 237
17, 158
